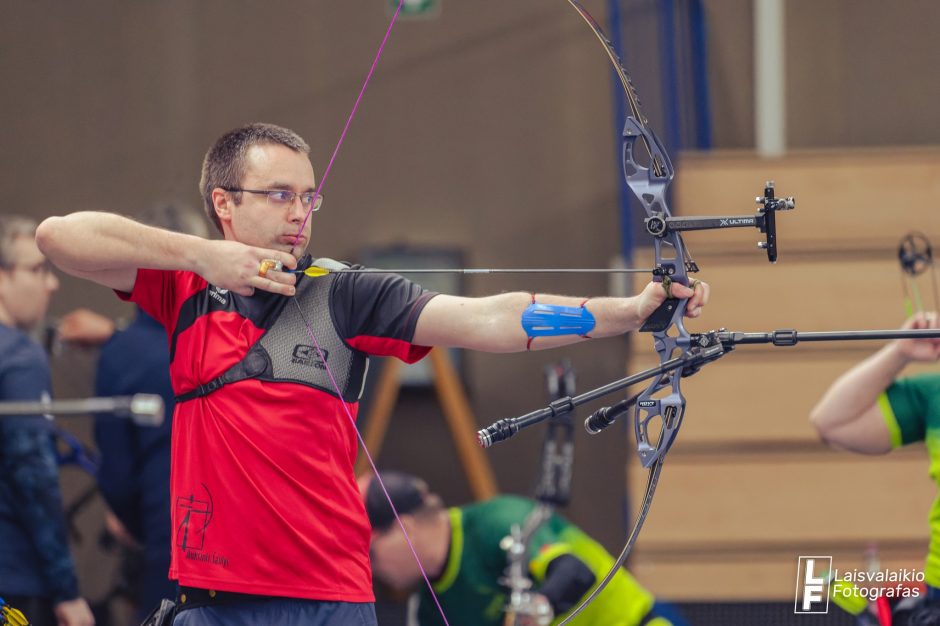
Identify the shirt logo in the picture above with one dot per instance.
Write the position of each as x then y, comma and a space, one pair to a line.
309, 356
196, 514
218, 294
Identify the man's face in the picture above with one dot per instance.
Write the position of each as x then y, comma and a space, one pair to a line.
25, 286
255, 221
392, 560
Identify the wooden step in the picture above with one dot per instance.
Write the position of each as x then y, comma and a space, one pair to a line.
787, 499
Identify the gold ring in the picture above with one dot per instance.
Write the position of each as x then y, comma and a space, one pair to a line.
269, 264
693, 283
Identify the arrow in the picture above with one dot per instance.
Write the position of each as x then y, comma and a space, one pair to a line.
316, 271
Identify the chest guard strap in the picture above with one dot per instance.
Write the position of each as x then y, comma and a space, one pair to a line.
285, 352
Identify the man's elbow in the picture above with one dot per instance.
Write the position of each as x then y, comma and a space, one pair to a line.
819, 424
50, 236
848, 438
827, 432
828, 438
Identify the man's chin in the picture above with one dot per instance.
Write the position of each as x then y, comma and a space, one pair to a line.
297, 247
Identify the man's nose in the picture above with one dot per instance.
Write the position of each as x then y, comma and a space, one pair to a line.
297, 210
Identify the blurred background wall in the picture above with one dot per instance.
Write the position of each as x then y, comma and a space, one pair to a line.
488, 129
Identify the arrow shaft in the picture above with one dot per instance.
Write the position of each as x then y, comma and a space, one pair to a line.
483, 270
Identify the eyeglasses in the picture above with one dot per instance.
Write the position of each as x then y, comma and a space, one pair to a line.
283, 198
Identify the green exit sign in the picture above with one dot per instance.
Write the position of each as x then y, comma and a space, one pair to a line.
422, 9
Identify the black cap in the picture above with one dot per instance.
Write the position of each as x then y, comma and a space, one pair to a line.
406, 491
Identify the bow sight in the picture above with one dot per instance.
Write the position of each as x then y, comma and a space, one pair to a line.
659, 225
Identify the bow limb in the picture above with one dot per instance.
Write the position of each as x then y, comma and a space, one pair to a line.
662, 401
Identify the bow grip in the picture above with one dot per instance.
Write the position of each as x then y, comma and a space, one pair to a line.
661, 318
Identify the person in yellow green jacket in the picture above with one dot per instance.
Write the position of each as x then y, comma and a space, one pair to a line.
460, 550
873, 409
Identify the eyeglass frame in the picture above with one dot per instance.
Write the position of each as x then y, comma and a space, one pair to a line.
315, 204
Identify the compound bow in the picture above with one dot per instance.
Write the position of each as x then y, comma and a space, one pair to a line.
681, 354
662, 401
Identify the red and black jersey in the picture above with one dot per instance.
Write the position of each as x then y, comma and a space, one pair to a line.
263, 497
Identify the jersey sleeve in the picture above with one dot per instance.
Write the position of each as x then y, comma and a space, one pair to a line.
378, 313
160, 293
906, 404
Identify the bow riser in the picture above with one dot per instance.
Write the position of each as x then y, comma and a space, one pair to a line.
650, 184
666, 412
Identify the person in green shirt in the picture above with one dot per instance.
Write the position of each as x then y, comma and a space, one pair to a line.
460, 550
872, 409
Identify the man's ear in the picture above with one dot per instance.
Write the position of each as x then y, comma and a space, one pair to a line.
222, 203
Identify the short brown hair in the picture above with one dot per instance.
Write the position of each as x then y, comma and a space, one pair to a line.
410, 496
224, 165
12, 227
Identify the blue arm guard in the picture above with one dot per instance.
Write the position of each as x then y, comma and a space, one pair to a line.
552, 320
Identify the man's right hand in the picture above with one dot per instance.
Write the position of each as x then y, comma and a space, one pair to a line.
235, 266
924, 350
74, 613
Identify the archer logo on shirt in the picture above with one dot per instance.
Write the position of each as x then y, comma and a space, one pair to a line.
195, 514
309, 355
195, 511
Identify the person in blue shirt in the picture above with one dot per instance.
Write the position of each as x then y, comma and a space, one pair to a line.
37, 573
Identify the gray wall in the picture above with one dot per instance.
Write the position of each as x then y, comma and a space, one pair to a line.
488, 129
858, 72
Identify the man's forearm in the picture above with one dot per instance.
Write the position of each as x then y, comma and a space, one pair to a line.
91, 242
857, 391
494, 323
611, 316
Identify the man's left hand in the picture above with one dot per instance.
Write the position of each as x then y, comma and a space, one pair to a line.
654, 294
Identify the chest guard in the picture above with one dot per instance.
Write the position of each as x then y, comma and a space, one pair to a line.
286, 352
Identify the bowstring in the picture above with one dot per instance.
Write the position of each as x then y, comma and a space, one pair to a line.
313, 337
352, 422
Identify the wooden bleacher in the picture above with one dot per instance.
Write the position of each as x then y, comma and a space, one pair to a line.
747, 488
